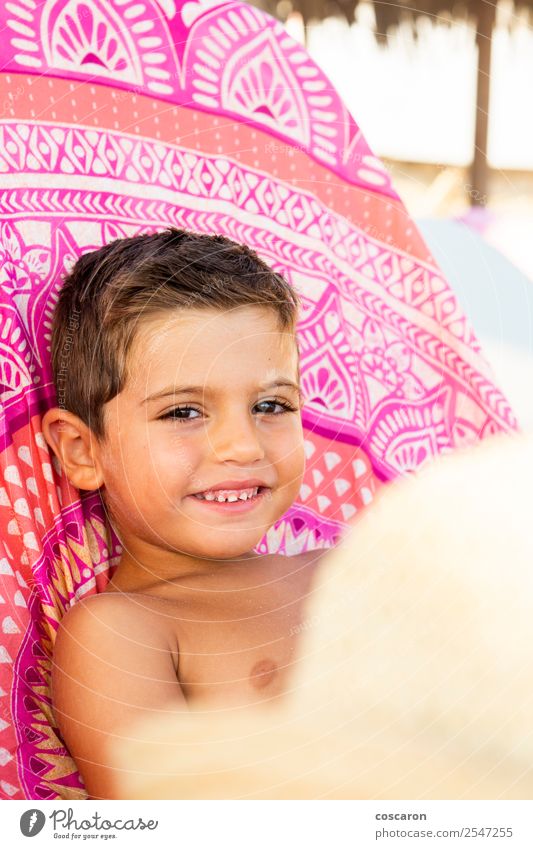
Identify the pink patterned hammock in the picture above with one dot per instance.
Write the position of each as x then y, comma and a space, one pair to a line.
121, 117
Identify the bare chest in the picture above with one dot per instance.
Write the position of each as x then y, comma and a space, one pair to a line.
237, 659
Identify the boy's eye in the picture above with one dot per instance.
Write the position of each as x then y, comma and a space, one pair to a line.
286, 407
177, 412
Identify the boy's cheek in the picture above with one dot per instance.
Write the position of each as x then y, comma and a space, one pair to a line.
296, 477
300, 459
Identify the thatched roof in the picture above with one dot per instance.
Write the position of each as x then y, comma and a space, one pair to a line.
389, 14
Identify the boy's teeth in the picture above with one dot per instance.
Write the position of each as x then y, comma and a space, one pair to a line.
229, 495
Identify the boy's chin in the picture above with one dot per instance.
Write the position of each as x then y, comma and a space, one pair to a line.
227, 545
228, 553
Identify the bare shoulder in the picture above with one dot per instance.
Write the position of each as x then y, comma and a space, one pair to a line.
112, 662
113, 629
108, 637
122, 613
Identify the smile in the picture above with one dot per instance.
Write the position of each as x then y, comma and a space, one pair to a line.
229, 494
232, 500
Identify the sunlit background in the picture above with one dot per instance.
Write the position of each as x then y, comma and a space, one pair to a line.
412, 86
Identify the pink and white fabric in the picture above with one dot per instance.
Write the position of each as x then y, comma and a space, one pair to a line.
126, 116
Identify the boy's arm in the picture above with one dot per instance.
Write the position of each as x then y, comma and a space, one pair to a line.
112, 664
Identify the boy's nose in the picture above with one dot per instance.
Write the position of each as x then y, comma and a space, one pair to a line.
237, 439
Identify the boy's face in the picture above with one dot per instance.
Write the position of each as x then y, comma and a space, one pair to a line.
159, 453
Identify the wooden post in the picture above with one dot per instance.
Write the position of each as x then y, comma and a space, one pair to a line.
486, 15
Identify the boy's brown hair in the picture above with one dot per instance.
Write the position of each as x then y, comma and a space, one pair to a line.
111, 289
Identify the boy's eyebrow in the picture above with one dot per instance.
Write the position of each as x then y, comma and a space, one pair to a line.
186, 390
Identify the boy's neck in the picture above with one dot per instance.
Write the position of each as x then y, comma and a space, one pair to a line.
141, 574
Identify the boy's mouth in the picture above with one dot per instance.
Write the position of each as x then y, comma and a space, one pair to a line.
232, 500
231, 495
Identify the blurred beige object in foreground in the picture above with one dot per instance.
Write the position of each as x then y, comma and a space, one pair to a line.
415, 674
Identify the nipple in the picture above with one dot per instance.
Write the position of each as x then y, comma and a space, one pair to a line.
263, 673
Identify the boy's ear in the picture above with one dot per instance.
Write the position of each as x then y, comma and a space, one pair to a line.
75, 446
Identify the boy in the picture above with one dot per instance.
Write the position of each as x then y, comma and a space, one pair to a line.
181, 404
